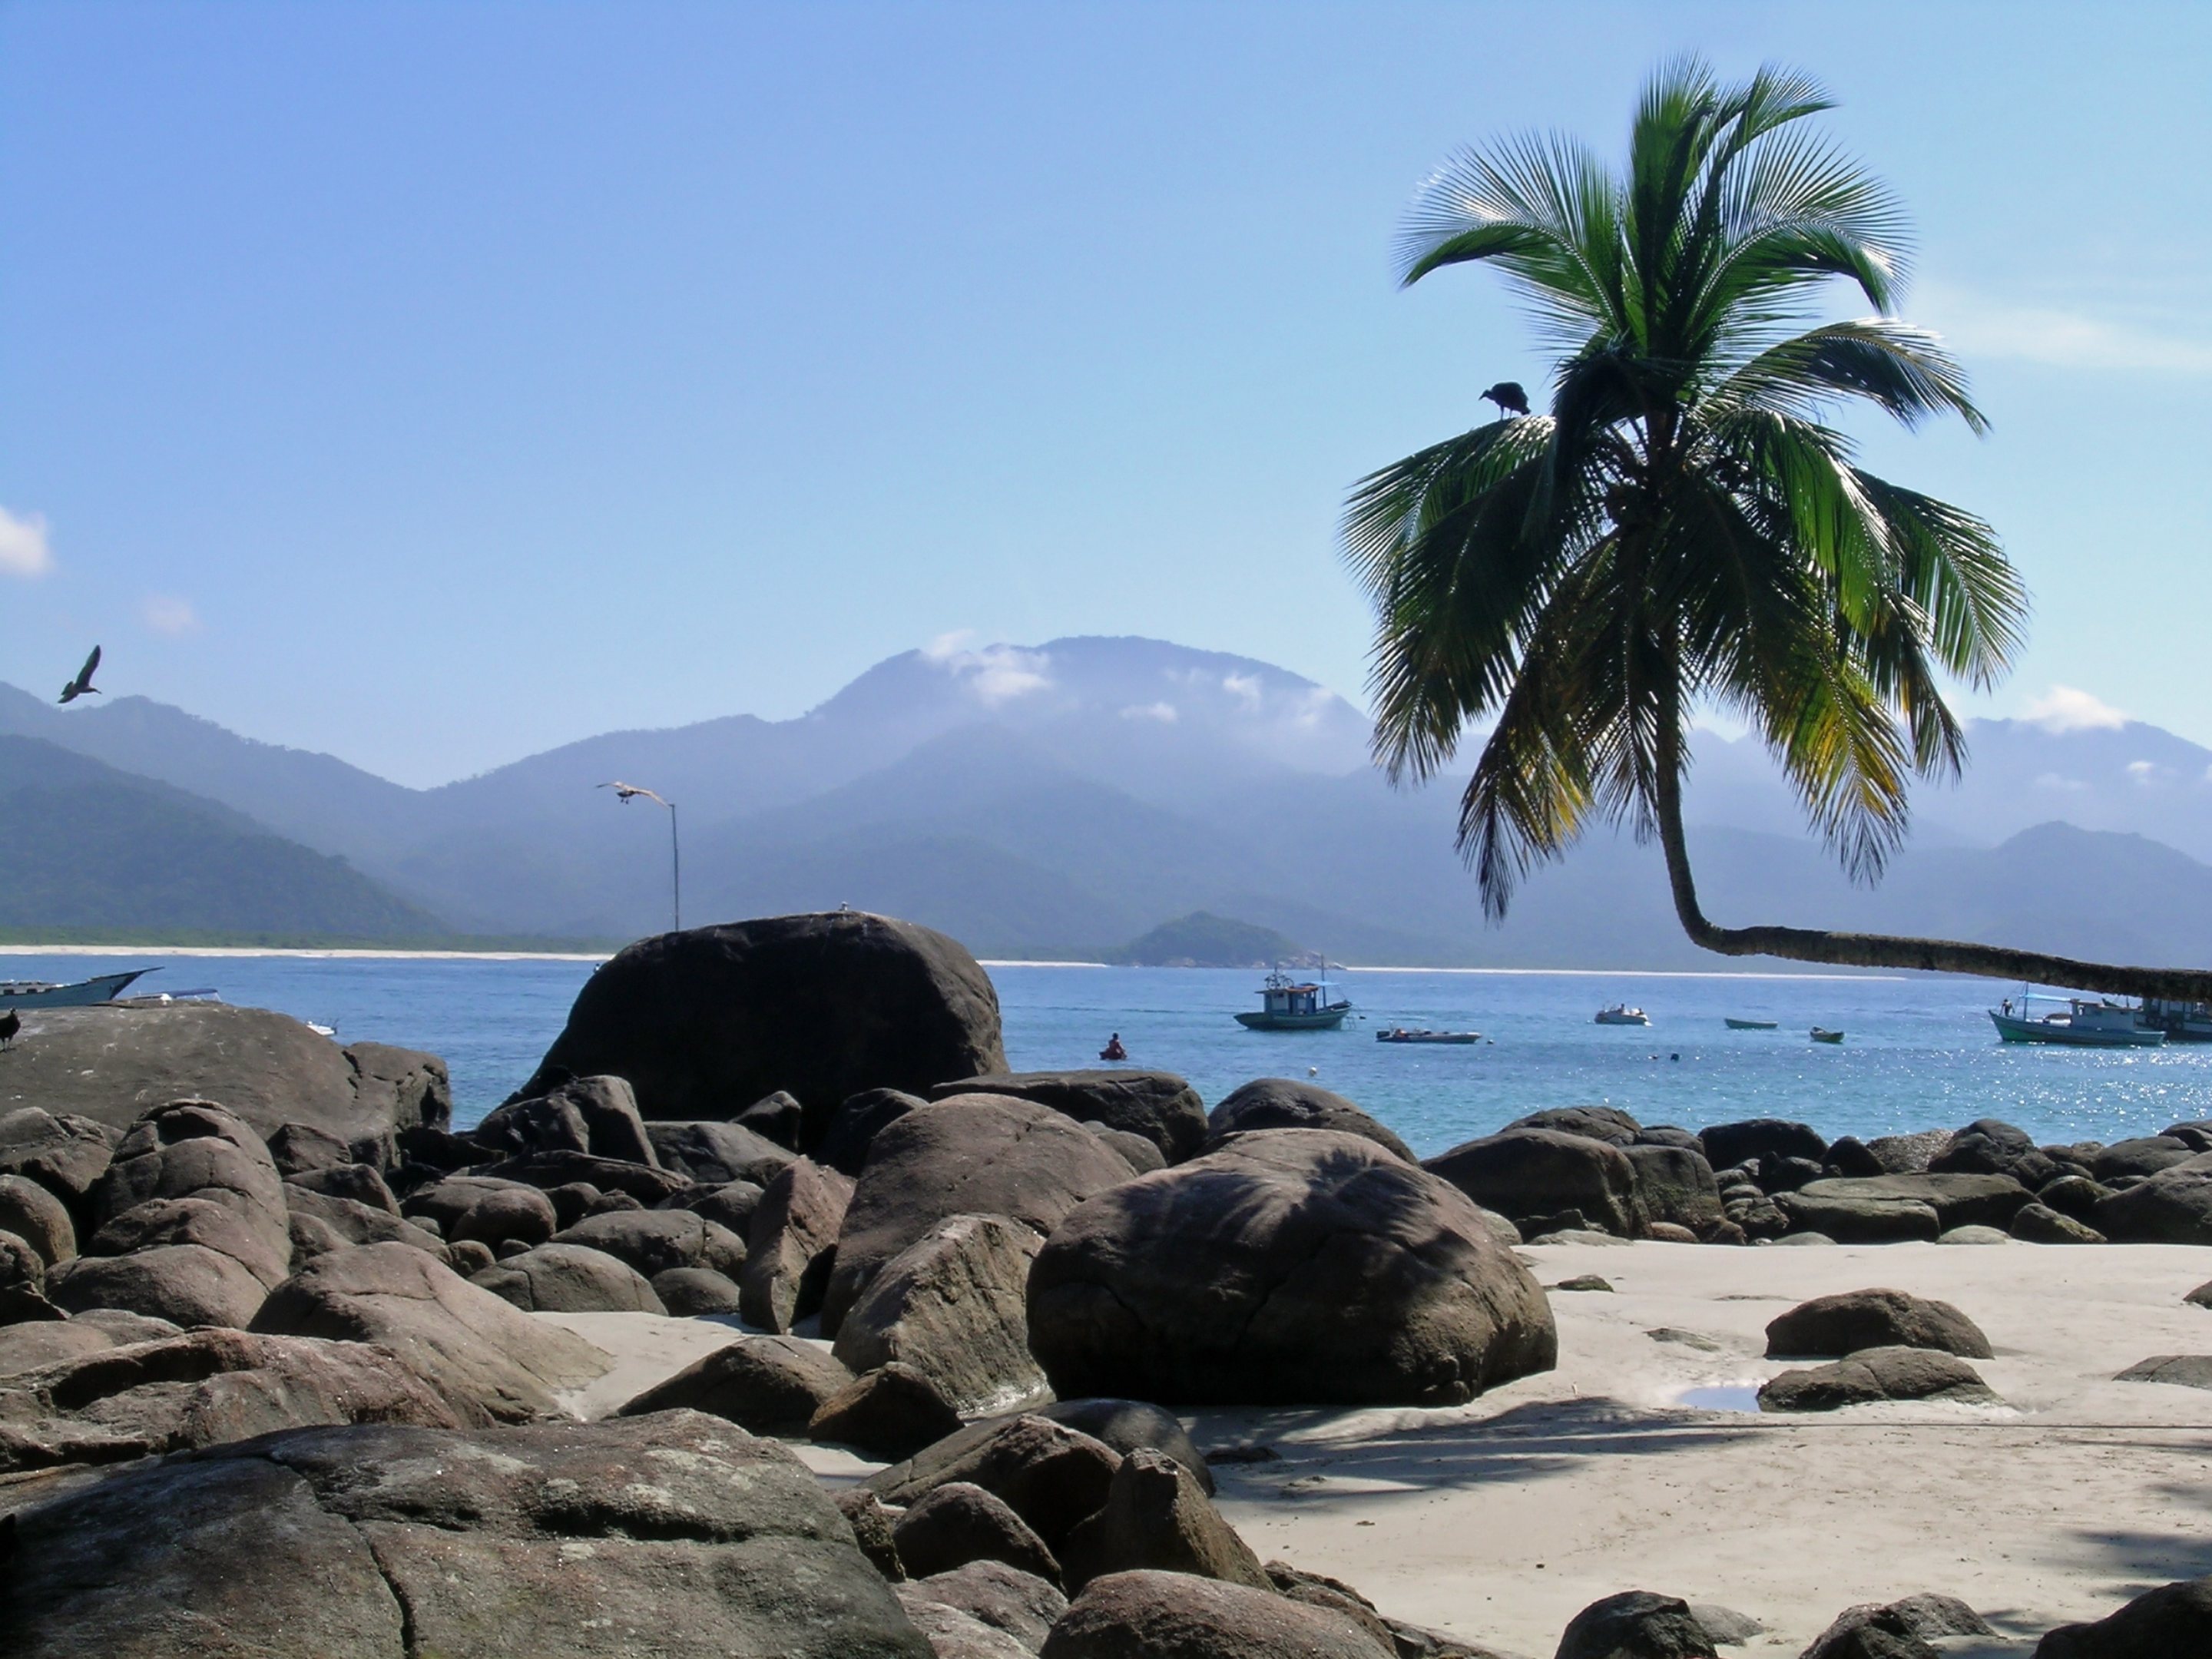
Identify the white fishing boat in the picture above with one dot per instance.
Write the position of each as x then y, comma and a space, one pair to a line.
1621, 1014
83, 994
2081, 1023
1400, 1034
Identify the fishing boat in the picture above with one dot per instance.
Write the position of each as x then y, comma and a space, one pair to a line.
1400, 1034
2182, 1022
1822, 1034
1289, 1005
83, 993
2082, 1024
1621, 1014
1752, 1024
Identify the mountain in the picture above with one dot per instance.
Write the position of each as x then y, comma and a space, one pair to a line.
1053, 800
1202, 940
92, 852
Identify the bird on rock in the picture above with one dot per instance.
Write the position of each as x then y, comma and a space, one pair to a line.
82, 684
1509, 398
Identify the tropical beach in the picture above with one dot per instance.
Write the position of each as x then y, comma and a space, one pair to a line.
1222, 833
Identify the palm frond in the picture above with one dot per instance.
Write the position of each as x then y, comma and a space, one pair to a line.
1903, 369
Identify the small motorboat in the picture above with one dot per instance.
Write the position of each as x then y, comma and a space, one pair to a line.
1822, 1034
83, 993
1400, 1034
1621, 1014
1735, 1024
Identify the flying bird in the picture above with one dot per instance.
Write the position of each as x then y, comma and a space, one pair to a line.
1509, 398
11, 1022
82, 684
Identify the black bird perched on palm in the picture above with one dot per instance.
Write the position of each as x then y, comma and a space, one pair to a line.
1509, 398
11, 1022
82, 684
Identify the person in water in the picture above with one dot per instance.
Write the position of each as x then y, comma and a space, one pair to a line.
1114, 1050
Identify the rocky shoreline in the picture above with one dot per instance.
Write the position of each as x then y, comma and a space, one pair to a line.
288, 1366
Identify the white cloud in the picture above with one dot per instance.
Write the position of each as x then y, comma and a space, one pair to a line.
165, 613
1974, 325
23, 548
2069, 785
996, 674
1165, 712
2063, 708
1312, 706
1245, 687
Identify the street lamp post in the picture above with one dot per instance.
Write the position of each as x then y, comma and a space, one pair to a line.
625, 792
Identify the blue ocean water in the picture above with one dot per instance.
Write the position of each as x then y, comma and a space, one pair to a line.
1918, 1052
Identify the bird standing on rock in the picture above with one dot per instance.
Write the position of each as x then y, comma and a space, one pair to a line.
82, 684
1509, 398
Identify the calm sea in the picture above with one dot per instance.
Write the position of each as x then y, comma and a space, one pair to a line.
1917, 1051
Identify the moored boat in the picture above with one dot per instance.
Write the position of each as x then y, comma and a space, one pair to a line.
81, 993
1288, 1005
1822, 1034
1621, 1014
1735, 1024
1400, 1034
2082, 1024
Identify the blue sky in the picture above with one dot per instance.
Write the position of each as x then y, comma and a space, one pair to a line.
431, 384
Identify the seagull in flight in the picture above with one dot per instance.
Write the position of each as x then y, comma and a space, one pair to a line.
82, 684
624, 792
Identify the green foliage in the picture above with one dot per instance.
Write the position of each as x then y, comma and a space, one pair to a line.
1680, 527
1202, 939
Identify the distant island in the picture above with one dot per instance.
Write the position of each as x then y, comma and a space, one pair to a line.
1202, 939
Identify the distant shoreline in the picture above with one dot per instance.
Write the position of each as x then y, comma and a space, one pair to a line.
363, 953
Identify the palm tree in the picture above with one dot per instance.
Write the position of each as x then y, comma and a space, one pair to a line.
1682, 528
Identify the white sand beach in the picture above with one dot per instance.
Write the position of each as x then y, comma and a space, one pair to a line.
1500, 1520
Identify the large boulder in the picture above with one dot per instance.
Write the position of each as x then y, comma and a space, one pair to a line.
953, 1634
493, 1362
704, 1023
1054, 1476
1278, 1102
1990, 1146
1526, 1174
1021, 1604
189, 1286
194, 1149
1674, 1184
673, 1535
2146, 1155
1874, 1375
1636, 1625
1291, 1265
654, 1241
203, 1388
1158, 1105
323, 1222
1727, 1145
112, 1064
764, 1384
958, 1523
789, 1246
2173, 1206
892, 1412
715, 1153
953, 1307
2164, 1623
547, 1169
485, 1209
39, 1218
1851, 1218
1156, 1515
1845, 1323
1129, 1425
1959, 1200
843, 1140
66, 1155
1916, 1618
1607, 1123
1177, 1615
570, 1278
971, 1155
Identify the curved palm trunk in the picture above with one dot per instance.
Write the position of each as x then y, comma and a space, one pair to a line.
1935, 956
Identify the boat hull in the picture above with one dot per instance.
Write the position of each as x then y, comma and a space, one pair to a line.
1621, 1019
1324, 1019
2013, 1029
1821, 1036
1428, 1036
1754, 1024
85, 993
